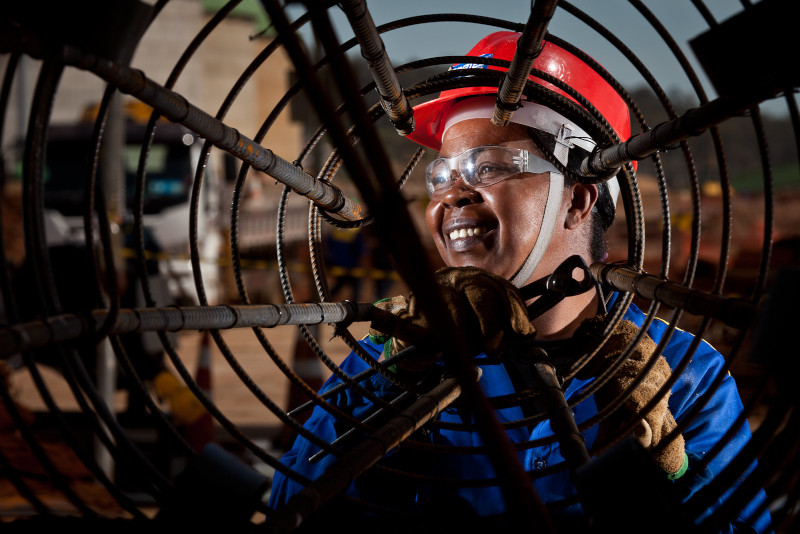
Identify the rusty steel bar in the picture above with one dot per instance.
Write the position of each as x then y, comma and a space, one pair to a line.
669, 133
340, 474
393, 100
528, 48
67, 327
734, 312
562, 420
177, 109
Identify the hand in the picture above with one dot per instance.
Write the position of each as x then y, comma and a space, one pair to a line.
652, 426
487, 308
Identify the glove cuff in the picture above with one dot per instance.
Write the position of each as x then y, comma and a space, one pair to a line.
378, 339
682, 470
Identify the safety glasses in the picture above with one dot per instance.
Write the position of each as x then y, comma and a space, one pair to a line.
481, 167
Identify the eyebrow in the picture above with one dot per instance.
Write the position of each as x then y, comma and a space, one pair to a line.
473, 148
481, 148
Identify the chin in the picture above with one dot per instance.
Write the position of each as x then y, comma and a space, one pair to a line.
480, 263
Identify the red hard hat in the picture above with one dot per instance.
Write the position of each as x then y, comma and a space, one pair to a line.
430, 116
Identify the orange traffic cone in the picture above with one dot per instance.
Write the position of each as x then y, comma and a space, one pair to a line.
201, 431
307, 366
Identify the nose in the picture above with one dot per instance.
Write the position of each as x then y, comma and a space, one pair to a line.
460, 193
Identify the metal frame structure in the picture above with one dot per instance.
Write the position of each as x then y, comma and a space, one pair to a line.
349, 124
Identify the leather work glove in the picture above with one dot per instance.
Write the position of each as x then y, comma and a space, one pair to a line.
656, 424
487, 308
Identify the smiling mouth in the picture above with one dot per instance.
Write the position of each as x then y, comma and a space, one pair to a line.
467, 232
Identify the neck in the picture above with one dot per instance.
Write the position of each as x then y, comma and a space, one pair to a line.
565, 317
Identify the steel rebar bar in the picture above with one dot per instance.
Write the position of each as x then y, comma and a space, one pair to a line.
528, 48
733, 311
177, 109
392, 99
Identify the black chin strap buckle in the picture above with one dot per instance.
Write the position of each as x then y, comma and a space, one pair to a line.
555, 287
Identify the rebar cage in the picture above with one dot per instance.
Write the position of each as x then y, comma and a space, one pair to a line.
706, 238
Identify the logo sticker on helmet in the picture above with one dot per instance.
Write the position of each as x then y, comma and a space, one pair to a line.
458, 66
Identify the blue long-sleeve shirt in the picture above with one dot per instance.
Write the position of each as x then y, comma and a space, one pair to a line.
702, 433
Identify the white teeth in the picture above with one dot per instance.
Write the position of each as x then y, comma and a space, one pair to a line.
464, 232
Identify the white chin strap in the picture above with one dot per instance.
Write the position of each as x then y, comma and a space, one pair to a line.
546, 230
550, 215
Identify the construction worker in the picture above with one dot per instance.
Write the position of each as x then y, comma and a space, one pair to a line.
503, 214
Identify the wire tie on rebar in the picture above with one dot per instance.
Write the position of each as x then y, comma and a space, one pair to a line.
687, 298
166, 318
88, 327
345, 323
636, 279
182, 315
342, 223
508, 106
663, 148
321, 311
687, 117
138, 318
282, 320
654, 281
236, 315
593, 172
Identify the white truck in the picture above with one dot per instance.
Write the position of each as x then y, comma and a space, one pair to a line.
171, 163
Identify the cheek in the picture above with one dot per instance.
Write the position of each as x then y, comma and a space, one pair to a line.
433, 219
519, 211
520, 208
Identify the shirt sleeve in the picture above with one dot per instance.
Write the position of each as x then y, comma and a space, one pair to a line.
709, 425
325, 426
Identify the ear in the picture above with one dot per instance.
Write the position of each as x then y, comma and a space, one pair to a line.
580, 206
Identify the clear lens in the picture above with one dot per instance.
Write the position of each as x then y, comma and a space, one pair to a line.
489, 165
437, 176
481, 167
